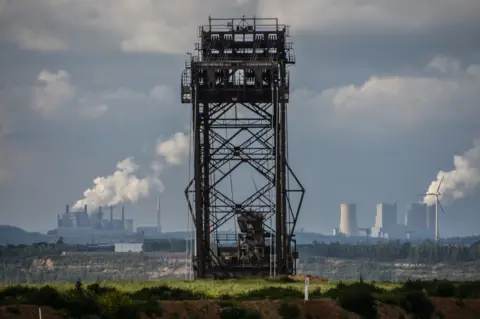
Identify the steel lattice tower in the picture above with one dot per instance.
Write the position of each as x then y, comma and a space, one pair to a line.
238, 85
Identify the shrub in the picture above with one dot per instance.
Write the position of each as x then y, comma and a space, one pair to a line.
357, 297
166, 293
412, 285
151, 307
469, 289
80, 304
359, 287
12, 293
359, 300
99, 290
445, 289
288, 311
273, 293
48, 296
116, 305
417, 302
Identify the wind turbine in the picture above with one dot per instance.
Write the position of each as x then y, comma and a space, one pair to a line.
437, 194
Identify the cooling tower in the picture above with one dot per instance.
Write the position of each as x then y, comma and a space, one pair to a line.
348, 219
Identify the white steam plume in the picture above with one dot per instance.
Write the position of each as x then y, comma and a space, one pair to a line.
125, 186
117, 188
462, 180
175, 149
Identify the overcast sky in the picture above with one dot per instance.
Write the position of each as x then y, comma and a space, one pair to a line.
384, 95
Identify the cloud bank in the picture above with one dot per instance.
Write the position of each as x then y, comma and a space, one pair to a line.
441, 93
166, 27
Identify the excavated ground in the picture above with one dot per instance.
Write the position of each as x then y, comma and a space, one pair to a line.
318, 308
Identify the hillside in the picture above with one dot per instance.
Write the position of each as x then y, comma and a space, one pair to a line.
11, 235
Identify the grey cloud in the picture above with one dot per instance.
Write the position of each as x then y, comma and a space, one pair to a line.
372, 17
394, 104
153, 26
53, 92
165, 26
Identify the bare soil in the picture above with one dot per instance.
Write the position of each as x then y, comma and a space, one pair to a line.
28, 312
317, 308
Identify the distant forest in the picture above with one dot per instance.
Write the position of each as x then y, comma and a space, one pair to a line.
426, 252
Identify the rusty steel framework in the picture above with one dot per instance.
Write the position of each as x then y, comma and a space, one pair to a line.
238, 85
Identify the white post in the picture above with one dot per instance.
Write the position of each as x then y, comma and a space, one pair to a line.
39, 312
307, 281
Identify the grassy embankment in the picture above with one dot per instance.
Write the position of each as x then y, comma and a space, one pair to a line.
131, 299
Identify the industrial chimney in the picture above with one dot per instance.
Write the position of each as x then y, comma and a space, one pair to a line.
85, 209
159, 224
111, 217
348, 219
67, 208
123, 216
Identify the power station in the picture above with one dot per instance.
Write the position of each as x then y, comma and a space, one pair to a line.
238, 86
419, 222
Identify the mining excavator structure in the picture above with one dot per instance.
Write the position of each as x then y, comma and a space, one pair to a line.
238, 86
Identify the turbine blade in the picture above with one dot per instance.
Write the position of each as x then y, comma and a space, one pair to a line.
439, 184
441, 207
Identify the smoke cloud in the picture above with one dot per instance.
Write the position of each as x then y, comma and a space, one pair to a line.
462, 180
124, 185
121, 186
175, 149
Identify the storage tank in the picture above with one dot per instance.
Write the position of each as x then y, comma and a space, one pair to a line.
348, 219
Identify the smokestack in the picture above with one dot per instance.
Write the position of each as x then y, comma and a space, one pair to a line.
85, 208
123, 216
159, 225
111, 216
67, 209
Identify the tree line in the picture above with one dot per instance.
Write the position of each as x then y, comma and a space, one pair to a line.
424, 252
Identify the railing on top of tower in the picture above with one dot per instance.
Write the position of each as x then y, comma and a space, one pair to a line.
235, 26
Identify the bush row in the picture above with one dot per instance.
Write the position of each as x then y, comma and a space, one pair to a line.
359, 297
107, 303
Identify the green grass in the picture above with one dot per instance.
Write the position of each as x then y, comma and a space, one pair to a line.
213, 289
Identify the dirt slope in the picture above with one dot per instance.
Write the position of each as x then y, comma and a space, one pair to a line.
27, 312
318, 308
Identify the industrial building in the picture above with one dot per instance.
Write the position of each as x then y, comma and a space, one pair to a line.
129, 247
386, 224
348, 220
81, 219
82, 227
420, 221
